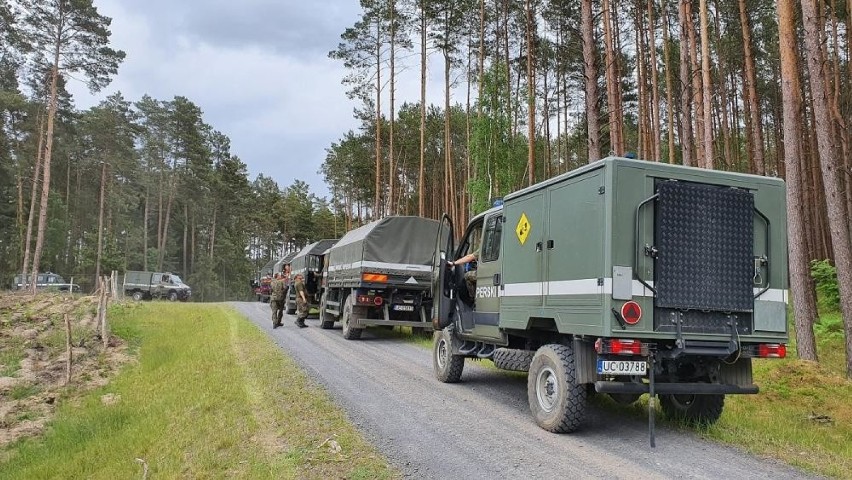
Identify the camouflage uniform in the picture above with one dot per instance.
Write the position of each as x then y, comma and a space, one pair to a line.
470, 277
301, 305
276, 301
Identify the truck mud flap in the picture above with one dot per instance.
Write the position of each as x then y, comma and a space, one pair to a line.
675, 388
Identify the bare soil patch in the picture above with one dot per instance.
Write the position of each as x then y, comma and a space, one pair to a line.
33, 358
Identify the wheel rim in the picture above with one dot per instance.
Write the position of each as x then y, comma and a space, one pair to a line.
442, 353
682, 402
546, 390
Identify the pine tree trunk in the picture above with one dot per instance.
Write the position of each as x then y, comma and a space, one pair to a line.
590, 80
101, 219
685, 86
377, 213
391, 169
421, 190
706, 87
801, 283
697, 96
213, 232
828, 155
611, 77
750, 84
531, 84
723, 98
669, 95
48, 155
33, 197
655, 87
145, 231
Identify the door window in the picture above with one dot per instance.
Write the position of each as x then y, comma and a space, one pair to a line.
491, 242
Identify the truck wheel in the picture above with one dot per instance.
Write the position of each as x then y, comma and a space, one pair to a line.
557, 401
448, 367
513, 359
172, 296
138, 296
349, 333
326, 319
693, 409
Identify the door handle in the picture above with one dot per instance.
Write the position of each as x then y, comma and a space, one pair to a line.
538, 247
496, 280
549, 244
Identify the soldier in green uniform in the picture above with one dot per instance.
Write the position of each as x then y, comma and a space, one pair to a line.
277, 294
470, 275
301, 300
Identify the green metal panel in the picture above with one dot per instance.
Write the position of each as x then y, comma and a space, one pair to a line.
487, 291
523, 260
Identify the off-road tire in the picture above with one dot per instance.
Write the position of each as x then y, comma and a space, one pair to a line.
349, 333
173, 296
557, 401
326, 319
138, 296
693, 409
448, 367
513, 359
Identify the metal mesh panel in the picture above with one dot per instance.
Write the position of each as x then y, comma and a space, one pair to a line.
705, 238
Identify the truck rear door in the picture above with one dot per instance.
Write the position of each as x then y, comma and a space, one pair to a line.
523, 251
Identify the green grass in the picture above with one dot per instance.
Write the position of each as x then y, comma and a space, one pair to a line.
210, 396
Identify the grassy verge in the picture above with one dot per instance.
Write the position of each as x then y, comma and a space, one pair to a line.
210, 396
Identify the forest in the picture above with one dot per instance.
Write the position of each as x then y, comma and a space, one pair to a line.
530, 89
130, 184
534, 88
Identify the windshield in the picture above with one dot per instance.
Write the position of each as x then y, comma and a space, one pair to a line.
176, 280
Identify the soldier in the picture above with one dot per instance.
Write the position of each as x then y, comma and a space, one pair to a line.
470, 275
301, 300
277, 294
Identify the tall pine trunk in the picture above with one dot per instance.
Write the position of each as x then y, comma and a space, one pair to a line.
830, 171
590, 73
669, 95
685, 86
750, 84
804, 306
421, 188
33, 197
391, 169
531, 80
101, 204
706, 87
378, 184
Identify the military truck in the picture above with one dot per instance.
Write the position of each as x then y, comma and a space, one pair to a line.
623, 277
151, 285
380, 274
46, 281
310, 262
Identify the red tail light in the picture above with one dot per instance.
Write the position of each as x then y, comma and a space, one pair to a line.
377, 301
620, 346
771, 350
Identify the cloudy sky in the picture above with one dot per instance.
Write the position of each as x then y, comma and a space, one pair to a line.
259, 69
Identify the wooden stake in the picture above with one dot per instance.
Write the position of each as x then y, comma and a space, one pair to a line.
68, 349
105, 302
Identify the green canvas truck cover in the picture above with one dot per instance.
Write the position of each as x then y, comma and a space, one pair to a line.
394, 245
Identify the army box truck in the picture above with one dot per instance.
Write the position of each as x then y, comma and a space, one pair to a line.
310, 262
150, 285
380, 274
623, 277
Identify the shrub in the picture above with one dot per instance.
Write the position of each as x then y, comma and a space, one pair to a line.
825, 280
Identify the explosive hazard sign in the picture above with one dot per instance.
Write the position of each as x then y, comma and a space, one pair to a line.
522, 230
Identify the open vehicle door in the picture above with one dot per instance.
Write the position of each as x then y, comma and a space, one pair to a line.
442, 280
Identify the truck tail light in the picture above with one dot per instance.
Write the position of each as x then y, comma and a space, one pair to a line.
374, 277
771, 350
620, 346
378, 301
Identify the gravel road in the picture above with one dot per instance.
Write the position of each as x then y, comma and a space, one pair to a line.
482, 428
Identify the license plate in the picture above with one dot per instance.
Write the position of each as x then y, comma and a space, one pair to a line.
622, 367
404, 308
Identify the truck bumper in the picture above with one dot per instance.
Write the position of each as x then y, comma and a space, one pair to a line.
676, 388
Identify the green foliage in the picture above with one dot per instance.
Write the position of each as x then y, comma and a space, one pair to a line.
825, 281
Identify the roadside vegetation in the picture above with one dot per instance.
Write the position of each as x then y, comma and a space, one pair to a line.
209, 396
